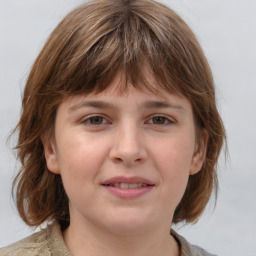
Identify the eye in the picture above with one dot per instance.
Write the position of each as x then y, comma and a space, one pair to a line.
95, 120
160, 120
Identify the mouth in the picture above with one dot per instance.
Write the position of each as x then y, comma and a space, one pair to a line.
127, 182
128, 187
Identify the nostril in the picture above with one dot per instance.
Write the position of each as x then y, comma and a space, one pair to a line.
117, 159
128, 154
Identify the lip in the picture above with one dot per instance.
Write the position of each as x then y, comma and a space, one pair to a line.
123, 179
128, 193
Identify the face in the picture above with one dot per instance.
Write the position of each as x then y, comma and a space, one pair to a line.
124, 159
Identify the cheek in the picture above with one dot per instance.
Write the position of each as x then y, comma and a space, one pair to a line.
79, 158
174, 178
174, 170
173, 160
78, 169
174, 154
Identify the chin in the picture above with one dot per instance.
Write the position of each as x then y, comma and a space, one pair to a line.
129, 223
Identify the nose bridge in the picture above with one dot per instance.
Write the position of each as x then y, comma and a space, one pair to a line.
128, 145
129, 136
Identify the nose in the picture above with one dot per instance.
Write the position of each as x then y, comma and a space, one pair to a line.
129, 146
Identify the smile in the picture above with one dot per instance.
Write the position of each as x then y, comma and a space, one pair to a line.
128, 185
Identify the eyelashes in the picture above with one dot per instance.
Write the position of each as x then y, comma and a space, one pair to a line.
160, 120
95, 120
99, 120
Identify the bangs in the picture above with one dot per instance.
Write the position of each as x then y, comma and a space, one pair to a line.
124, 44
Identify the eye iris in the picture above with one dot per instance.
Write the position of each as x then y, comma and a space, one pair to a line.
158, 120
96, 120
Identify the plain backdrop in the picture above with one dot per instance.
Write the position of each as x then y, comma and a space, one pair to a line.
227, 32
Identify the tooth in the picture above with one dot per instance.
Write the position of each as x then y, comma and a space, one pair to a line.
133, 185
124, 185
117, 185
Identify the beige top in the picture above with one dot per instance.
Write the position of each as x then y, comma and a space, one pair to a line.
49, 242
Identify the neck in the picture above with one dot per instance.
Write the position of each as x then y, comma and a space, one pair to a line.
91, 240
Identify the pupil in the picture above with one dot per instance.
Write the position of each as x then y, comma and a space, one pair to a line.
158, 120
96, 120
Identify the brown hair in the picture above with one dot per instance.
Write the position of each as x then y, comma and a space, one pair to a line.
82, 55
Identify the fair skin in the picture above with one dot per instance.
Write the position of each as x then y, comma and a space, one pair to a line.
105, 147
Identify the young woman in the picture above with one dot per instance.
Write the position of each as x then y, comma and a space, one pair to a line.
119, 134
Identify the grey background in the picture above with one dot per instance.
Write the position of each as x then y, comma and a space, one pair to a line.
227, 33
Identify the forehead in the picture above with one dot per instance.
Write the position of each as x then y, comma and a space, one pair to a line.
147, 84
116, 96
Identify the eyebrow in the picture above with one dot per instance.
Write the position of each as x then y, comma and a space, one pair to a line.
161, 104
94, 104
108, 105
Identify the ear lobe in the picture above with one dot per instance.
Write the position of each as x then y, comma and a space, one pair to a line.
199, 153
50, 155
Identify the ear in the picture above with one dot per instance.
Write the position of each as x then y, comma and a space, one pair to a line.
50, 154
199, 153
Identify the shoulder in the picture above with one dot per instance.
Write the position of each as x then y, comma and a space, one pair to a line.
35, 244
46, 242
188, 249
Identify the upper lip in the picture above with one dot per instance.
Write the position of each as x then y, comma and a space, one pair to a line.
129, 180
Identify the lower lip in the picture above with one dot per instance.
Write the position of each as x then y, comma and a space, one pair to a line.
129, 193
